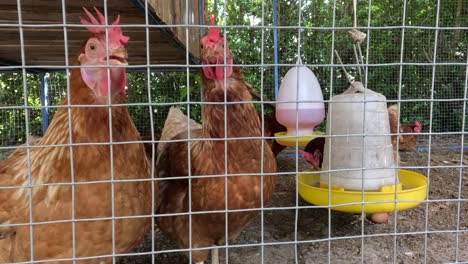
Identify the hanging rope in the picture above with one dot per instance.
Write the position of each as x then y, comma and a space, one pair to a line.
355, 15
356, 35
347, 74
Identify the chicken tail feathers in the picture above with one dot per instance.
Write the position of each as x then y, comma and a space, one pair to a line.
176, 123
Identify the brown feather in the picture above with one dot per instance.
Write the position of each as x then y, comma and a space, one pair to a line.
406, 142
90, 163
207, 157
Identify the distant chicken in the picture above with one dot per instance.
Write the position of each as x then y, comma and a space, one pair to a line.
59, 201
207, 159
313, 152
407, 142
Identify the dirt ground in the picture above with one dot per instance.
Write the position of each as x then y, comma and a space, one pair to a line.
401, 240
425, 233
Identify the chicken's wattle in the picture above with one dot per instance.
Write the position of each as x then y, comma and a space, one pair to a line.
215, 48
217, 72
97, 80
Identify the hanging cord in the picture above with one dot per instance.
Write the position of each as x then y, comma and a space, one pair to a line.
358, 37
348, 75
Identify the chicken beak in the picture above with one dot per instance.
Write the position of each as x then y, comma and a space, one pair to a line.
118, 56
80, 57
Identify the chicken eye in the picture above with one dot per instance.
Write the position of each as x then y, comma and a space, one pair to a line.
92, 46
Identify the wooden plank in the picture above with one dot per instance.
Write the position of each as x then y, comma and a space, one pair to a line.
55, 38
33, 17
175, 13
47, 54
45, 46
72, 29
52, 4
35, 9
137, 62
78, 33
44, 49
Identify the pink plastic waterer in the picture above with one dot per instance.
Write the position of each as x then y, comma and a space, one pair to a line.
302, 80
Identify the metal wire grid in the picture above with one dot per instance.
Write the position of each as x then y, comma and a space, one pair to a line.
11, 130
432, 100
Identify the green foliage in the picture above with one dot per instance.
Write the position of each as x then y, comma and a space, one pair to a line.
13, 120
383, 50
253, 46
165, 90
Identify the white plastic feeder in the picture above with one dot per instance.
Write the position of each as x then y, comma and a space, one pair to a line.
302, 80
357, 112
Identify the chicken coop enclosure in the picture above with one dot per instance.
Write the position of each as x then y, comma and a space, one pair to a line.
414, 53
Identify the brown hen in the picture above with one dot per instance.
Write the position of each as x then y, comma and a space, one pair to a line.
407, 134
207, 159
69, 185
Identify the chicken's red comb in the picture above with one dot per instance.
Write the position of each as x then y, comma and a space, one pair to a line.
115, 33
417, 127
213, 33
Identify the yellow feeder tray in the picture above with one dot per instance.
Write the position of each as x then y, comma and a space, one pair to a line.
291, 141
411, 192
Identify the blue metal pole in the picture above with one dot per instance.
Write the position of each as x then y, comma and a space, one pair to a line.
200, 16
200, 20
275, 47
44, 102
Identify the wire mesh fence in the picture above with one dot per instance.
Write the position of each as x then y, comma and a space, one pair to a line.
103, 201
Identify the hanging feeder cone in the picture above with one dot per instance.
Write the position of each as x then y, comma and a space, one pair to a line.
355, 112
300, 106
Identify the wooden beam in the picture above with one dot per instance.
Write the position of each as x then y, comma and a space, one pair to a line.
45, 45
169, 31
